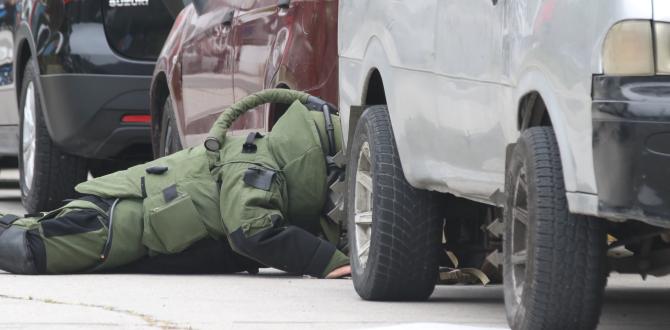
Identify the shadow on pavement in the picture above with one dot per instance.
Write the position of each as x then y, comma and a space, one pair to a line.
636, 308
643, 295
15, 199
491, 294
9, 184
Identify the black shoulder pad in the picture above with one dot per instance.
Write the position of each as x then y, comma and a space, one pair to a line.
157, 169
8, 219
260, 178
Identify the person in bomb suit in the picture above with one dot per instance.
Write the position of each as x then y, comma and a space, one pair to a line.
264, 195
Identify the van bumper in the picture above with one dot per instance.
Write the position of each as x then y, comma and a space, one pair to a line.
631, 148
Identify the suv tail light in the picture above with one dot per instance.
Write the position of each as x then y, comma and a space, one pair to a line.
144, 119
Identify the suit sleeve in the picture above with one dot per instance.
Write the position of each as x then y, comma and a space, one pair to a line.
256, 228
289, 248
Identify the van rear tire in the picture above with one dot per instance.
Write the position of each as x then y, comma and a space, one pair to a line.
394, 229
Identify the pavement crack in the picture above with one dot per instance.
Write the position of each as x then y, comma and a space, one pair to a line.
148, 319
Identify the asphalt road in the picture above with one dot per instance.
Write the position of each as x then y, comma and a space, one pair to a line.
272, 300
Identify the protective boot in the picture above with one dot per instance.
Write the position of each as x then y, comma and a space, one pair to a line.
73, 238
18, 246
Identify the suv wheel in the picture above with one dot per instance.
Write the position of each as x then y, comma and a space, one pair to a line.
169, 139
394, 229
47, 175
554, 262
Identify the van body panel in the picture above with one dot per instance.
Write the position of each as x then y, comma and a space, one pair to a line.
454, 84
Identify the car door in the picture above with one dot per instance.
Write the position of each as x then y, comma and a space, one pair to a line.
207, 71
469, 80
254, 35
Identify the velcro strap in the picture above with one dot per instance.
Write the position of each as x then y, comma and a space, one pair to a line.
143, 187
103, 204
260, 178
276, 220
170, 193
249, 146
156, 170
8, 219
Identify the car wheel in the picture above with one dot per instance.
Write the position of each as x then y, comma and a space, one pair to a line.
47, 175
554, 263
394, 229
169, 139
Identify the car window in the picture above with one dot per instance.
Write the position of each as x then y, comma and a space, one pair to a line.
138, 32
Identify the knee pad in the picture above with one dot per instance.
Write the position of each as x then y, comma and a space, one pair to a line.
18, 251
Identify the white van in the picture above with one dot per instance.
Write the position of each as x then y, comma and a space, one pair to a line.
530, 127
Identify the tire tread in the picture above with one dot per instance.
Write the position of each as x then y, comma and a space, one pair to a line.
569, 272
56, 173
406, 227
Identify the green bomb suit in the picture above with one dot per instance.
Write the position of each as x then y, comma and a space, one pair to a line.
264, 195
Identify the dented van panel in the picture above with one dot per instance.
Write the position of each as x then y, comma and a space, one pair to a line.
455, 84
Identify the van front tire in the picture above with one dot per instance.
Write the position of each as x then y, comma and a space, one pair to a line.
554, 266
394, 229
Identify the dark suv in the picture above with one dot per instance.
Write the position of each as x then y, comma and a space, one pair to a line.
74, 84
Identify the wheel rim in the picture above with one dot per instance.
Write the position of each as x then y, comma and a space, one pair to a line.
363, 205
29, 137
520, 223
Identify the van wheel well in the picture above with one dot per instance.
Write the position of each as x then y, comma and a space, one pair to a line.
533, 112
160, 93
375, 93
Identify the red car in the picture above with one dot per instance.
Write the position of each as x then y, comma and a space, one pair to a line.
222, 50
